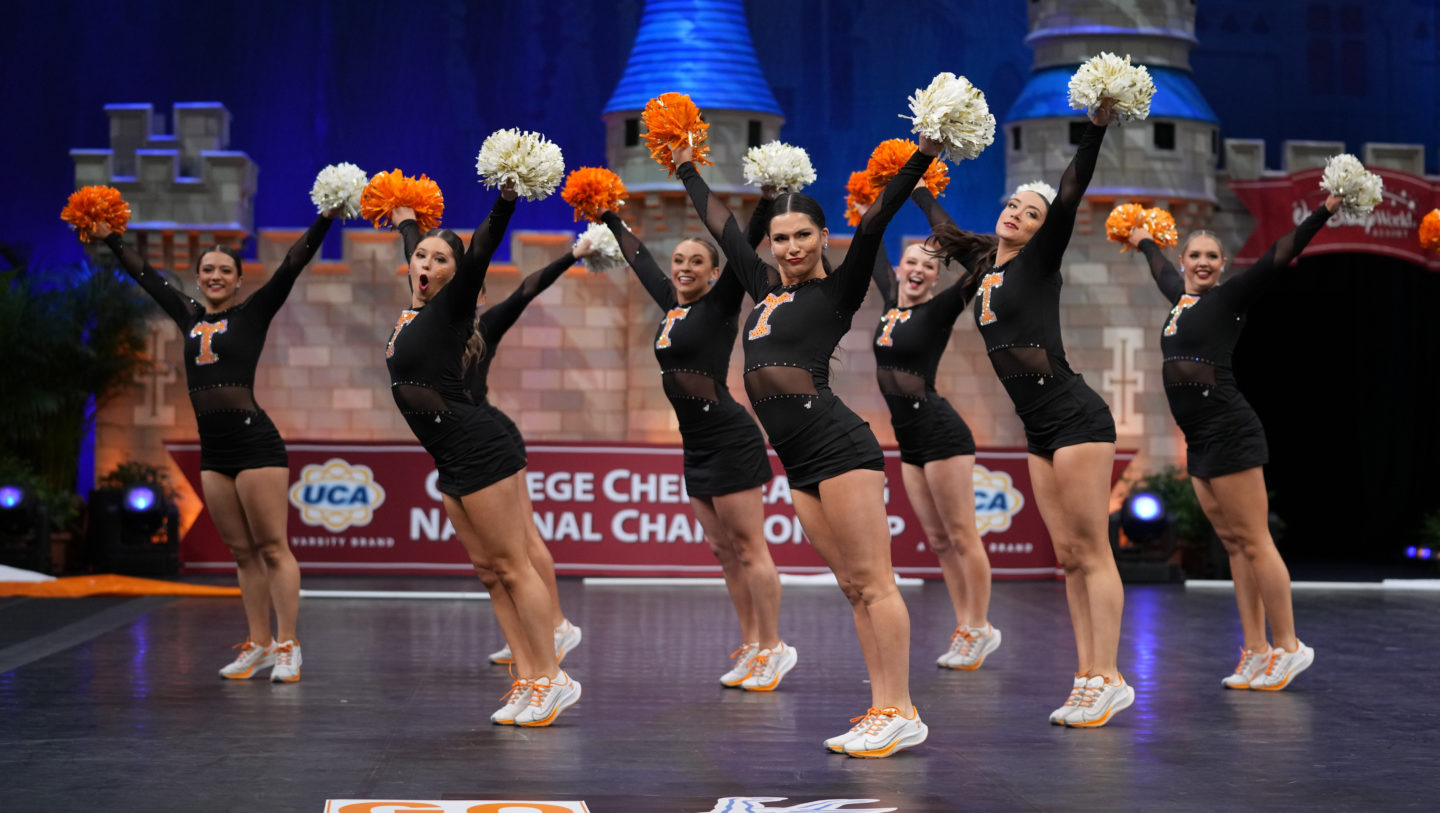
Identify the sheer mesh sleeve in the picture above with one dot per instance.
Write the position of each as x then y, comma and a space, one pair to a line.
951, 301
934, 212
1171, 282
1054, 234
410, 235
1244, 287
470, 273
499, 317
275, 290
642, 262
180, 308
869, 237
883, 274
754, 274
759, 226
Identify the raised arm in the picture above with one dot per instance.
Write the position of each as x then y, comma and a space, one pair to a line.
470, 271
1170, 281
499, 317
859, 262
754, 274
642, 262
759, 226
404, 220
1244, 287
273, 293
934, 212
883, 275
1053, 236
180, 308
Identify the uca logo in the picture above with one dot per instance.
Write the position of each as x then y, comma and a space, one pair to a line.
997, 500
336, 495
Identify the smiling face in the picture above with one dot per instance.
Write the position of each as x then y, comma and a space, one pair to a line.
218, 278
917, 274
1203, 259
1021, 218
798, 243
693, 270
431, 267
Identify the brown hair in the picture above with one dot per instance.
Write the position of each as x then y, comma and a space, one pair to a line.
710, 248
975, 251
220, 248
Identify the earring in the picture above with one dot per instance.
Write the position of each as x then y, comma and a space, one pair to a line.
710, 281
824, 245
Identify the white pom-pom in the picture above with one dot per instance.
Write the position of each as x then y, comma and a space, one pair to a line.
1040, 188
1359, 188
530, 161
780, 165
339, 186
1108, 76
607, 256
953, 112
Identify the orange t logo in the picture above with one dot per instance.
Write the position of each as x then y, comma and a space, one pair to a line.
206, 331
405, 318
1185, 302
891, 318
675, 315
991, 282
771, 302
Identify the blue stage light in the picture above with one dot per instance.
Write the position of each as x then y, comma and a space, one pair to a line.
1426, 553
1145, 507
11, 496
1412, 552
139, 498
1143, 518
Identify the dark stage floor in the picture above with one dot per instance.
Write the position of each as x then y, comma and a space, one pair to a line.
113, 704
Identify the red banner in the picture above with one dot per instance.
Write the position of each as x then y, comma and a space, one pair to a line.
1392, 229
603, 509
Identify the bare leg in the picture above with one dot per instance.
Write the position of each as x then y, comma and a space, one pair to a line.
949, 489
1247, 513
739, 520
506, 616
263, 494
540, 555
1247, 592
223, 501
716, 534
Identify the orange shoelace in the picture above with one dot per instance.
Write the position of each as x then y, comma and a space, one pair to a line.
516, 689
881, 718
1247, 657
285, 653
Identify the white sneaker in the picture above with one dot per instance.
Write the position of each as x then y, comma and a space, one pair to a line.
769, 667
547, 699
973, 644
1252, 663
889, 732
1099, 702
567, 637
517, 699
287, 663
741, 667
252, 658
837, 743
1282, 667
1057, 717
502, 656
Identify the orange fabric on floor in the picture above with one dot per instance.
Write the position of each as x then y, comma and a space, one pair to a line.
110, 585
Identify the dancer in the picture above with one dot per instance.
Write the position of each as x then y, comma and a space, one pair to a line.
937, 450
479, 465
1225, 443
244, 470
725, 460
835, 466
489, 328
1069, 429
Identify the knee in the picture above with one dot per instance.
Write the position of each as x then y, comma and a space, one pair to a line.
865, 588
486, 575
246, 554
507, 569
940, 542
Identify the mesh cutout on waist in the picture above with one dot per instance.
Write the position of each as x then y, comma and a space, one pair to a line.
900, 383
418, 398
771, 382
680, 384
1020, 360
1188, 371
223, 399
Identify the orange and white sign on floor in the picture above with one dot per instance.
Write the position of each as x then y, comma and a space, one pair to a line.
451, 806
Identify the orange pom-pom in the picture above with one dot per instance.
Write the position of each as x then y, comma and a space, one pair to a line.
1430, 231
891, 155
1121, 221
1161, 225
592, 190
672, 121
388, 191
89, 206
859, 191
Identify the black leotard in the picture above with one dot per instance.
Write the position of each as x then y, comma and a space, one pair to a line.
222, 351
1221, 430
793, 330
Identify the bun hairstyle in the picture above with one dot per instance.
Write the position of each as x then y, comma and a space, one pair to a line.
228, 251
800, 203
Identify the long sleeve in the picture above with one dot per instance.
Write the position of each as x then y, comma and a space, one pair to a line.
1053, 235
883, 274
754, 274
642, 262
1244, 287
759, 226
499, 317
859, 264
934, 212
180, 308
276, 289
1171, 282
464, 289
410, 234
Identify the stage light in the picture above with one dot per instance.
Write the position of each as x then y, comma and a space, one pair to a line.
1412, 552
24, 529
134, 530
11, 496
1426, 553
1142, 518
139, 498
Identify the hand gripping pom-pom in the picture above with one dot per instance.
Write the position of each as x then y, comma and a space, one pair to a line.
338, 186
887, 159
780, 165
1430, 231
89, 206
607, 255
529, 162
1161, 225
1358, 188
388, 191
1108, 76
592, 191
859, 191
673, 121
1121, 221
953, 112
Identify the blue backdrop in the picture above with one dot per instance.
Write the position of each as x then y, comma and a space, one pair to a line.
420, 84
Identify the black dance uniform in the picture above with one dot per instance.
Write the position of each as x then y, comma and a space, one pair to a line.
222, 351
1223, 435
908, 345
1017, 309
425, 356
724, 453
793, 330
